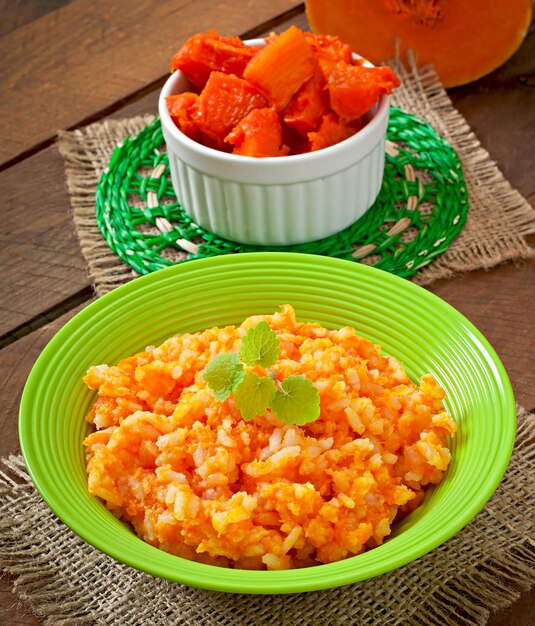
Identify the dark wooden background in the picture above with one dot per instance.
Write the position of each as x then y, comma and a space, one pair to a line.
64, 63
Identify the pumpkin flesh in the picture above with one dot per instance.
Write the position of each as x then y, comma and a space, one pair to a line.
463, 39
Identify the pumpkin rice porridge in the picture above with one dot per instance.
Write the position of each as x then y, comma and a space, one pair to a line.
195, 479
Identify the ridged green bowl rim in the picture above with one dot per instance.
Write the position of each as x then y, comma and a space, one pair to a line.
423, 331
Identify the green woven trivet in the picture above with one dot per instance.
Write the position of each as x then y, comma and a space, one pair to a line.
421, 208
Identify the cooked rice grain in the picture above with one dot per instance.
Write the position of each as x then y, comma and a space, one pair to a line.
196, 480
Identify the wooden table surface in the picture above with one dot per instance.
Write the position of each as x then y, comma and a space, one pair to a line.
65, 63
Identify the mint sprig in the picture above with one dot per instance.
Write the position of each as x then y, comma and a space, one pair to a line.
295, 400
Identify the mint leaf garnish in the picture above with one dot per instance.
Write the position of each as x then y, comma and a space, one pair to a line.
298, 402
260, 346
295, 400
223, 374
253, 395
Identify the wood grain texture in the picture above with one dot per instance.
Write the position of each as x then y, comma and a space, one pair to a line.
521, 613
57, 70
13, 612
40, 259
16, 14
500, 109
39, 252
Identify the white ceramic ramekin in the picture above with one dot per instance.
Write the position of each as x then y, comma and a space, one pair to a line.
275, 200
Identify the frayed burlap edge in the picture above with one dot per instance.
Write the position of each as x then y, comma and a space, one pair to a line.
484, 568
498, 221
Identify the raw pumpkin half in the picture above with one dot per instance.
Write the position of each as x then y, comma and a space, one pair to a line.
463, 39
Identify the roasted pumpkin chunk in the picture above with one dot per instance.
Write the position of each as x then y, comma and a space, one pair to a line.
331, 131
354, 89
208, 52
279, 69
259, 134
309, 104
183, 109
329, 51
225, 100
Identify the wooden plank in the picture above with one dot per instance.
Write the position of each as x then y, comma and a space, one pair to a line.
57, 69
521, 613
13, 612
39, 252
16, 14
499, 108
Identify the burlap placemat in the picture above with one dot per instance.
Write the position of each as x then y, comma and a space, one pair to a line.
483, 568
498, 220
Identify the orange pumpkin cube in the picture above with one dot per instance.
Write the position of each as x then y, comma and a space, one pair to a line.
208, 52
309, 105
224, 101
259, 134
329, 51
311, 92
354, 89
332, 130
183, 110
279, 69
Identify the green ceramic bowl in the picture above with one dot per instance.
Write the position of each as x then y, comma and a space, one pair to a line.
424, 332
